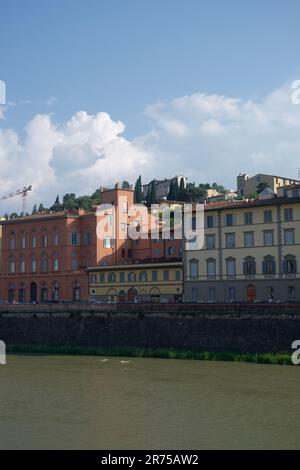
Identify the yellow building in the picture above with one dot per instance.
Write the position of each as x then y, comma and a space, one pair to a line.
251, 251
247, 185
143, 282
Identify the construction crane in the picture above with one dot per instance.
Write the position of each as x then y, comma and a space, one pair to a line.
20, 192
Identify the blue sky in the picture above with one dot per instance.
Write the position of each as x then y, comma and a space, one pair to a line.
122, 57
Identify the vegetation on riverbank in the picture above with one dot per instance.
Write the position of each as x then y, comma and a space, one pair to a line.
164, 353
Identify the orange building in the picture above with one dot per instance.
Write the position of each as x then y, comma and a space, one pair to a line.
45, 256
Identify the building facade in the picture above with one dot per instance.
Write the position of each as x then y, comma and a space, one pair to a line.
142, 282
251, 252
247, 185
44, 257
163, 186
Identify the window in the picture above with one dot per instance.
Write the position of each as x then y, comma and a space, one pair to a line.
231, 293
12, 243
12, 265
55, 262
55, 239
33, 240
55, 293
268, 237
269, 266
194, 269
44, 293
229, 220
230, 240
33, 264
45, 240
125, 207
76, 293
296, 193
290, 264
211, 267
108, 242
87, 239
171, 250
177, 275
93, 278
111, 277
210, 242
122, 276
288, 214
44, 263
23, 241
102, 278
22, 264
75, 238
131, 277
231, 267
123, 253
74, 261
22, 293
248, 218
211, 294
194, 294
249, 266
143, 276
166, 275
291, 292
154, 275
289, 237
248, 239
268, 216
210, 221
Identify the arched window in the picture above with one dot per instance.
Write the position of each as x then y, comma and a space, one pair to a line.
55, 262
21, 293
231, 266
12, 241
44, 238
33, 264
55, 238
22, 264
44, 292
111, 277
33, 239
194, 269
269, 265
23, 241
74, 261
44, 263
76, 292
143, 276
55, 292
211, 267
290, 264
249, 266
12, 264
131, 277
171, 250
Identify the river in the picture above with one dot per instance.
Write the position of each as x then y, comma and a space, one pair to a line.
73, 402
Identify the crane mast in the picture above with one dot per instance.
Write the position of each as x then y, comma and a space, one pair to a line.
20, 192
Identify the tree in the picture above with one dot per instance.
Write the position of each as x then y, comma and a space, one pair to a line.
125, 185
34, 210
261, 186
96, 197
84, 202
138, 192
172, 195
57, 206
41, 208
69, 201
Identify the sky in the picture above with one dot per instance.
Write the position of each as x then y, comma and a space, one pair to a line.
104, 90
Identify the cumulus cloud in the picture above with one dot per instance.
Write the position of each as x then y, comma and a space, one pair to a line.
205, 137
216, 137
79, 155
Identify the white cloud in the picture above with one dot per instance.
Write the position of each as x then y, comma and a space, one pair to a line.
79, 155
224, 136
206, 137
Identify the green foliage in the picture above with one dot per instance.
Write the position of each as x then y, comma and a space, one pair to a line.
34, 210
138, 191
261, 186
125, 185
